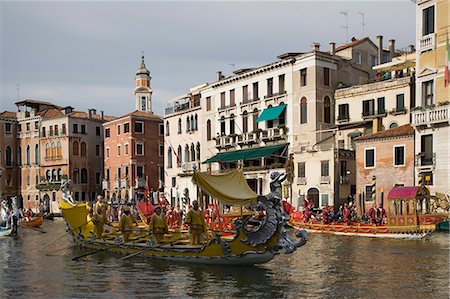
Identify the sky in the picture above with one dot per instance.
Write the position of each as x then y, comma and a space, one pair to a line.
86, 54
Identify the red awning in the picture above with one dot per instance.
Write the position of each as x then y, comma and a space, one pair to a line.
403, 192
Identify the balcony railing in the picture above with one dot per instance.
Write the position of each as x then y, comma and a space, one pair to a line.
124, 183
273, 134
372, 114
190, 166
225, 142
425, 160
140, 182
325, 179
248, 138
105, 185
301, 180
431, 116
344, 179
428, 42
116, 184
342, 118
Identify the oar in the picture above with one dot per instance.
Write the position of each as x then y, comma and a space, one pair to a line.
53, 241
153, 247
67, 247
37, 229
90, 253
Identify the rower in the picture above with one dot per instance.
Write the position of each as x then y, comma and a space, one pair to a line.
196, 221
126, 224
158, 224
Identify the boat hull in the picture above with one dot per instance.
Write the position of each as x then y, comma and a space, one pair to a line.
34, 222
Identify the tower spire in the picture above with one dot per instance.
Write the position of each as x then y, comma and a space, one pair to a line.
143, 91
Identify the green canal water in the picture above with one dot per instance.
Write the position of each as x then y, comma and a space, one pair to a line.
326, 267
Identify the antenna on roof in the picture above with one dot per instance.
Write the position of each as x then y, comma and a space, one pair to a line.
345, 13
363, 24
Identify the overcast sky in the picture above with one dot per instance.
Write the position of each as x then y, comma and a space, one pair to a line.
86, 54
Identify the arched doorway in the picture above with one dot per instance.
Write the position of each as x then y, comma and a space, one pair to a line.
46, 204
313, 195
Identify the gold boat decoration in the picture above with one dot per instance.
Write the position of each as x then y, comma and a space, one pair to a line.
252, 242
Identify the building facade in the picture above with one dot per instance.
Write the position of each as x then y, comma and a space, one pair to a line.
9, 164
431, 118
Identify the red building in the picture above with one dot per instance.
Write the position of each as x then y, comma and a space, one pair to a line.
134, 149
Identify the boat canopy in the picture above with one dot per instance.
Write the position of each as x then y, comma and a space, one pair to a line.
408, 192
230, 188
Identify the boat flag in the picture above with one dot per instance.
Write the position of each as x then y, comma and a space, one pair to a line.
173, 151
447, 59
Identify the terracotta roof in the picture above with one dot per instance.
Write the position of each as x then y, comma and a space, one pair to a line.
51, 113
399, 131
352, 44
35, 102
80, 114
142, 114
8, 114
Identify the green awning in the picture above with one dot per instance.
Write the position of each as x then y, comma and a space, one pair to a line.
271, 113
250, 153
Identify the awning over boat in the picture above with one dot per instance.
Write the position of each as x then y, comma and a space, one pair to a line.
230, 188
271, 113
250, 153
408, 192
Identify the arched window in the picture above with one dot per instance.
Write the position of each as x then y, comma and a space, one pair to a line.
180, 156
53, 148
169, 158
47, 150
37, 179
208, 129
179, 126
37, 197
198, 151
59, 149
186, 153
48, 175
54, 175
255, 117
167, 128
222, 126
269, 123
75, 148
393, 125
19, 156
196, 122
327, 110
84, 176
245, 122
192, 152
36, 154
303, 111
232, 124
192, 123
76, 175
83, 149
8, 156
28, 155
28, 184
188, 124
59, 174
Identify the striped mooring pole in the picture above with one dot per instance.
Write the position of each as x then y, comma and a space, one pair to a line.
374, 188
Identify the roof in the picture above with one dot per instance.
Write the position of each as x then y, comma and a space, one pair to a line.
408, 192
8, 114
355, 43
51, 113
139, 113
80, 114
395, 132
35, 103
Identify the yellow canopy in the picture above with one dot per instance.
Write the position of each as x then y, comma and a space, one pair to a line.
230, 188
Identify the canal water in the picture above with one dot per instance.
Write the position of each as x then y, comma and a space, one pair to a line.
326, 267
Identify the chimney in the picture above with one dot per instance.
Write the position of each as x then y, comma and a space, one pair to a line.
94, 111
90, 113
219, 76
391, 48
380, 48
332, 48
315, 46
68, 110
101, 113
411, 49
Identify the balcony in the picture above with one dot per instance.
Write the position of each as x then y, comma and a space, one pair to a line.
398, 111
105, 185
373, 114
140, 182
124, 183
427, 42
343, 118
248, 138
190, 166
301, 181
223, 142
273, 134
49, 185
343, 180
116, 184
227, 107
275, 95
434, 115
425, 161
325, 179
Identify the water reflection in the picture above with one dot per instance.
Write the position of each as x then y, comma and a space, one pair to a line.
327, 267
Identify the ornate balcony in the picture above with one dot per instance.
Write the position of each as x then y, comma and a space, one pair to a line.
248, 138
190, 166
301, 181
425, 161
223, 142
325, 179
273, 134
430, 116
427, 42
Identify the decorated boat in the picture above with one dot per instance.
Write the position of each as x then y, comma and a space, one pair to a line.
250, 244
411, 214
33, 222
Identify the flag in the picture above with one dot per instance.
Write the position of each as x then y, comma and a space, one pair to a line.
147, 191
173, 150
447, 59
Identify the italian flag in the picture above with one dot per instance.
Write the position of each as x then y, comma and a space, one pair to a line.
447, 59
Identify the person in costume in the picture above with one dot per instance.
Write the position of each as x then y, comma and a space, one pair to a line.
196, 222
99, 217
158, 224
126, 223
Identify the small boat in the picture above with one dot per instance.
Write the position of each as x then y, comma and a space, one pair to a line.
248, 245
5, 231
33, 222
408, 217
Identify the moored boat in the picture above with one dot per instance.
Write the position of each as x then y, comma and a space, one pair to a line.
33, 222
248, 245
409, 216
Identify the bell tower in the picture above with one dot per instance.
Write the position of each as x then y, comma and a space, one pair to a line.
143, 92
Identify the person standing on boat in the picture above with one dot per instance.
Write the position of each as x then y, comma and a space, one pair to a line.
347, 212
99, 217
196, 222
126, 224
381, 215
373, 214
326, 215
158, 224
